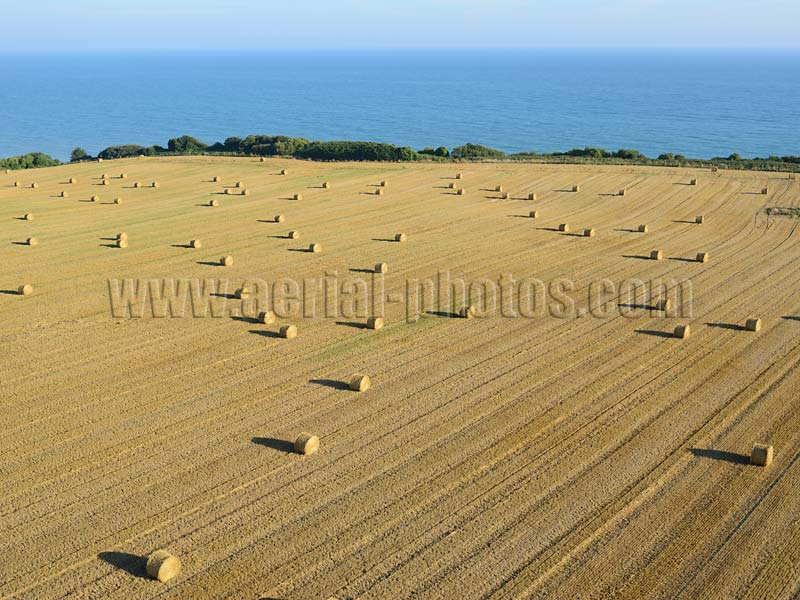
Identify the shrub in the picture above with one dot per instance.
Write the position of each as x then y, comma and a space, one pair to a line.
125, 151
29, 161
186, 144
476, 151
79, 154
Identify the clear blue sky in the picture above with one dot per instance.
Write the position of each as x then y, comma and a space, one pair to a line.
80, 25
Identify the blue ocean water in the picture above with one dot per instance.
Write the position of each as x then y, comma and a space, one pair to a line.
700, 103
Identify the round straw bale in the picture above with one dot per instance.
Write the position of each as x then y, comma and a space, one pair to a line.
534, 214
693, 182
459, 176
243, 294
289, 332
64, 194
753, 325
34, 185
213, 202
122, 243
104, 176
564, 227
400, 237
101, 160
533, 196
498, 188
16, 184
451, 185
216, 179
682, 331
298, 196
643, 228
467, 312
117, 200
228, 191
239, 184
294, 235
104, 182
461, 191
279, 218
25, 289
379, 192
226, 261
326, 185
315, 247
375, 323
699, 219
163, 566
360, 382
761, 455
664, 304
623, 191
589, 232
28, 216
154, 184
73, 180
245, 192
123, 175
136, 184
702, 257
262, 159
284, 171
384, 183
381, 267
764, 191
122, 236
267, 317
195, 244
656, 254
504, 196
94, 199
32, 241
576, 188
306, 443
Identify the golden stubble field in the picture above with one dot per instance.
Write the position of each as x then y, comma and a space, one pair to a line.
493, 457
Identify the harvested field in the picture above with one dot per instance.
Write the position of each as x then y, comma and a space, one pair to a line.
494, 457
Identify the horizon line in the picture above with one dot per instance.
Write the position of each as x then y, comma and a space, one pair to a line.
306, 49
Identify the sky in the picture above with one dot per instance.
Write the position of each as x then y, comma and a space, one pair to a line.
150, 25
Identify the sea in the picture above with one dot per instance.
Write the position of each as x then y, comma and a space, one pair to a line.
699, 103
